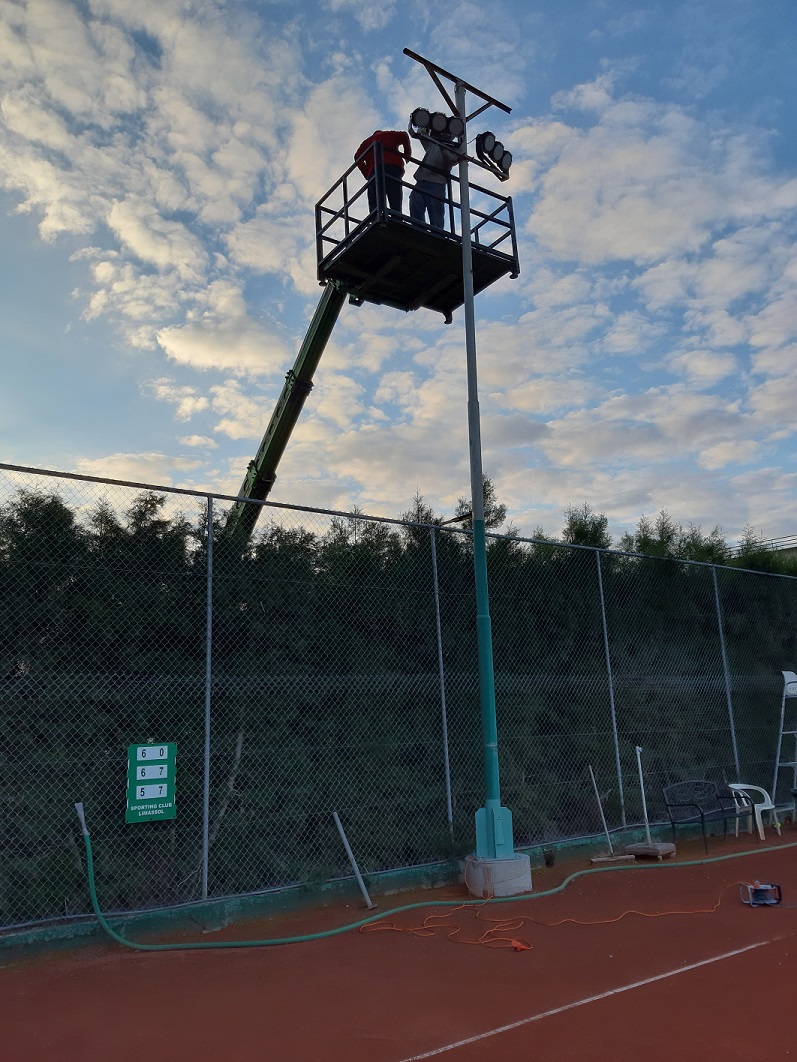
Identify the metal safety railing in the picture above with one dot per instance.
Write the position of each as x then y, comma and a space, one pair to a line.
345, 207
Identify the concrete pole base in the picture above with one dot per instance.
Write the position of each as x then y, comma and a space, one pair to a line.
497, 877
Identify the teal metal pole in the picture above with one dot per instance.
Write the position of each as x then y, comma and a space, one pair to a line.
493, 823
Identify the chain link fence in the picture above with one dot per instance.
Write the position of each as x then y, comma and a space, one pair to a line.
331, 665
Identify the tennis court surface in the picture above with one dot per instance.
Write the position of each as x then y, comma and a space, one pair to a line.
695, 974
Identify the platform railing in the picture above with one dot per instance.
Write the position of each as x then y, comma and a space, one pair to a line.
344, 208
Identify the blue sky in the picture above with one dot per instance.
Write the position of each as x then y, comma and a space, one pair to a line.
159, 165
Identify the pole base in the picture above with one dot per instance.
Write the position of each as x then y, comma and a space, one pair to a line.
494, 832
485, 878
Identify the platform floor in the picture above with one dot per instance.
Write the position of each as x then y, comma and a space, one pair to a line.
393, 260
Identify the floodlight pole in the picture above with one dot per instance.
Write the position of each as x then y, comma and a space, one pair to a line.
494, 839
485, 839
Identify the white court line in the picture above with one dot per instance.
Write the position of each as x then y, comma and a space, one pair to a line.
589, 999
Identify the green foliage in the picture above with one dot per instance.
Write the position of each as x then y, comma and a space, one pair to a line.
663, 537
584, 527
494, 511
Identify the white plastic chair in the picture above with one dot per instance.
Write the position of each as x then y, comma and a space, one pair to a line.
747, 803
744, 808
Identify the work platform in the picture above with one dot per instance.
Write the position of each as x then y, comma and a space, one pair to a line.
384, 256
370, 253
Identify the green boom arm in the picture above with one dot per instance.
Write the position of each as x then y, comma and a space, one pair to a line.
262, 471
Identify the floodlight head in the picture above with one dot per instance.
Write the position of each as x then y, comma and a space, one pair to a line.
455, 126
506, 161
438, 122
497, 151
420, 118
488, 142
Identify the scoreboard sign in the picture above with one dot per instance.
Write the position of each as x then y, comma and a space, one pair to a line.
150, 782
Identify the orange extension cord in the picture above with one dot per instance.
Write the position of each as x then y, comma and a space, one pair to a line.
501, 935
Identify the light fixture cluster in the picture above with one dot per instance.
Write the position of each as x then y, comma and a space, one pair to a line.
490, 152
493, 154
437, 122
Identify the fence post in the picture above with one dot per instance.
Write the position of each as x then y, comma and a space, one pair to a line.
618, 766
208, 678
441, 673
726, 672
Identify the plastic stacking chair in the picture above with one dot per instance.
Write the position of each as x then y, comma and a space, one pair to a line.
753, 799
744, 808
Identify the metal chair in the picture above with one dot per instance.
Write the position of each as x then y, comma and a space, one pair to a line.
748, 803
698, 801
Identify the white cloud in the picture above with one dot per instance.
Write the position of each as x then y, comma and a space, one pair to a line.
223, 336
775, 360
149, 467
27, 118
659, 182
264, 244
198, 442
186, 400
650, 429
155, 240
741, 452
334, 117
776, 324
242, 415
703, 368
630, 333
775, 401
369, 15
542, 395
593, 96
339, 400
130, 117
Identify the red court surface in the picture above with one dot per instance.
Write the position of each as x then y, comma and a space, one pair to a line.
715, 981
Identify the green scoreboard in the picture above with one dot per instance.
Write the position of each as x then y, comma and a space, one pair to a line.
150, 782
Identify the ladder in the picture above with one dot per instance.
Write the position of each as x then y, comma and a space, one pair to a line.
788, 728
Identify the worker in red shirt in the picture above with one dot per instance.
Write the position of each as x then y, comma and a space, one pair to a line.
394, 151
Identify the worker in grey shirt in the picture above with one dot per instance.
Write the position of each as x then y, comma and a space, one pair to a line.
431, 178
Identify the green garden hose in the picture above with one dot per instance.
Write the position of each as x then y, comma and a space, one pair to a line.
206, 945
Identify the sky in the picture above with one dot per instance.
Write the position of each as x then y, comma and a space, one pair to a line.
159, 166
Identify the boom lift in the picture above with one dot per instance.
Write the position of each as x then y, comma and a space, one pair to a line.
382, 256
262, 470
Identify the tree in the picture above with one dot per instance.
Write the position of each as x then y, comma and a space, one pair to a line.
755, 552
665, 538
494, 513
585, 527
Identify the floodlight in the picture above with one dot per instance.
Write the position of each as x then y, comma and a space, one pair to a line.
506, 161
487, 141
497, 152
420, 118
438, 122
455, 126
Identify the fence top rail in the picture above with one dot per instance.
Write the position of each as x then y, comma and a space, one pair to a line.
208, 495
365, 517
